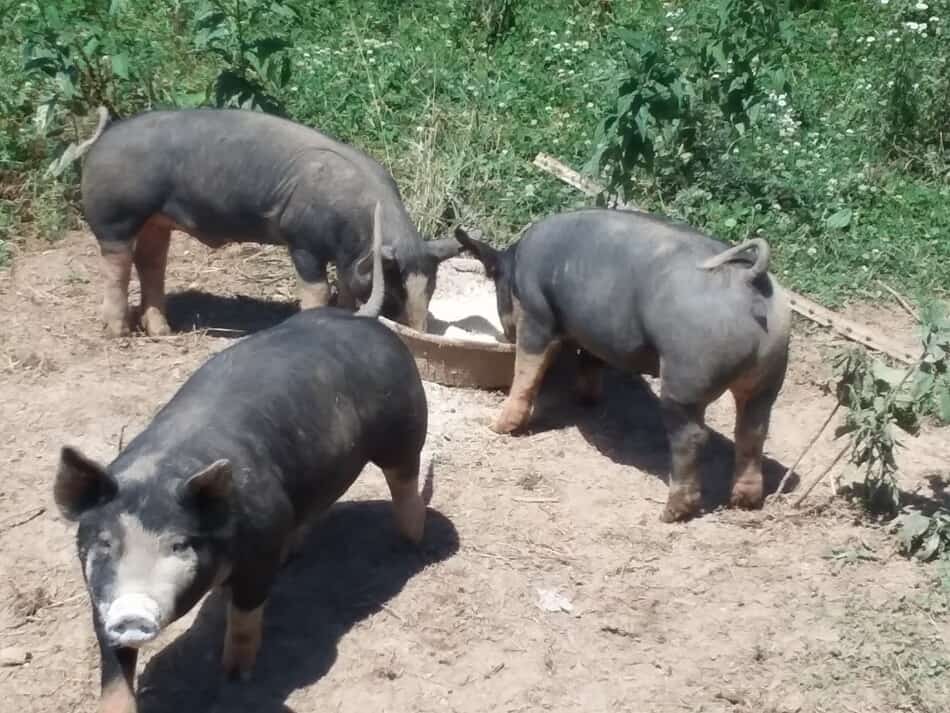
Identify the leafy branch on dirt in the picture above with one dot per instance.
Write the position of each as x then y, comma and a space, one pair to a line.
880, 397
923, 536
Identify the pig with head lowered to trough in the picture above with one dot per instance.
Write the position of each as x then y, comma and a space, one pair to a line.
228, 175
264, 436
645, 295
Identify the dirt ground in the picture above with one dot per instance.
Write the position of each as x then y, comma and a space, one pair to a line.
780, 611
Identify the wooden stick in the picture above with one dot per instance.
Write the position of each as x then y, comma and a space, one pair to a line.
571, 177
22, 519
814, 439
801, 498
802, 305
900, 300
849, 329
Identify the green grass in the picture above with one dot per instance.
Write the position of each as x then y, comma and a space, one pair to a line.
458, 119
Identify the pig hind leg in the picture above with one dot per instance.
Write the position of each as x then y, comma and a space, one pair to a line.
116, 271
534, 350
686, 429
752, 424
312, 283
116, 237
151, 258
409, 508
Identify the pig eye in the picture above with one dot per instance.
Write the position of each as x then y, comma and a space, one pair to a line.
104, 541
180, 546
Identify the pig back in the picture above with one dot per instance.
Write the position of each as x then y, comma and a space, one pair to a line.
300, 408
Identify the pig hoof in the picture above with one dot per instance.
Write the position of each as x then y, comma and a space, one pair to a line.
680, 508
746, 497
236, 676
509, 421
156, 327
117, 329
235, 670
154, 322
505, 426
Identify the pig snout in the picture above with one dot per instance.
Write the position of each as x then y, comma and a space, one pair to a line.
132, 620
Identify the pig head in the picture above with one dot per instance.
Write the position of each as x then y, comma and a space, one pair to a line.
145, 566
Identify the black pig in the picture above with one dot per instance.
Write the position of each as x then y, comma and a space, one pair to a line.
648, 296
265, 435
227, 175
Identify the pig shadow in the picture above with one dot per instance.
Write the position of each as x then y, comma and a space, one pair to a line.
627, 427
351, 564
224, 316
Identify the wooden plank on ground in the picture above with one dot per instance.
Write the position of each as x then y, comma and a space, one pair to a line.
807, 308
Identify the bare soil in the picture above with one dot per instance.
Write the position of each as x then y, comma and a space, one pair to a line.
779, 611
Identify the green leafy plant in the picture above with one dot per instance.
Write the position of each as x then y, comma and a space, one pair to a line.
256, 61
917, 94
689, 87
880, 398
496, 17
932, 380
78, 48
875, 404
817, 170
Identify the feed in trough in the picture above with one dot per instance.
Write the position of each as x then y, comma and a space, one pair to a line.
465, 345
463, 306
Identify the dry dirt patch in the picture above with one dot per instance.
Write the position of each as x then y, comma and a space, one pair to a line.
770, 612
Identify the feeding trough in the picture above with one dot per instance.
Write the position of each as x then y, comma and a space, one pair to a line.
465, 344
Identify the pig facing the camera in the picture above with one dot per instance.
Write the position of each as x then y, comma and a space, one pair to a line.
265, 435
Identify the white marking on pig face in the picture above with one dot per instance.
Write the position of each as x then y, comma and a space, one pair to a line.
150, 571
419, 289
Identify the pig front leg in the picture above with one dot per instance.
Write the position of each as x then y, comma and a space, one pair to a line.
151, 258
534, 350
312, 284
118, 677
242, 640
250, 585
589, 384
345, 297
116, 271
687, 434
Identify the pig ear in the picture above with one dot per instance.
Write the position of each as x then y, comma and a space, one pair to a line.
486, 254
80, 484
443, 249
364, 266
211, 484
